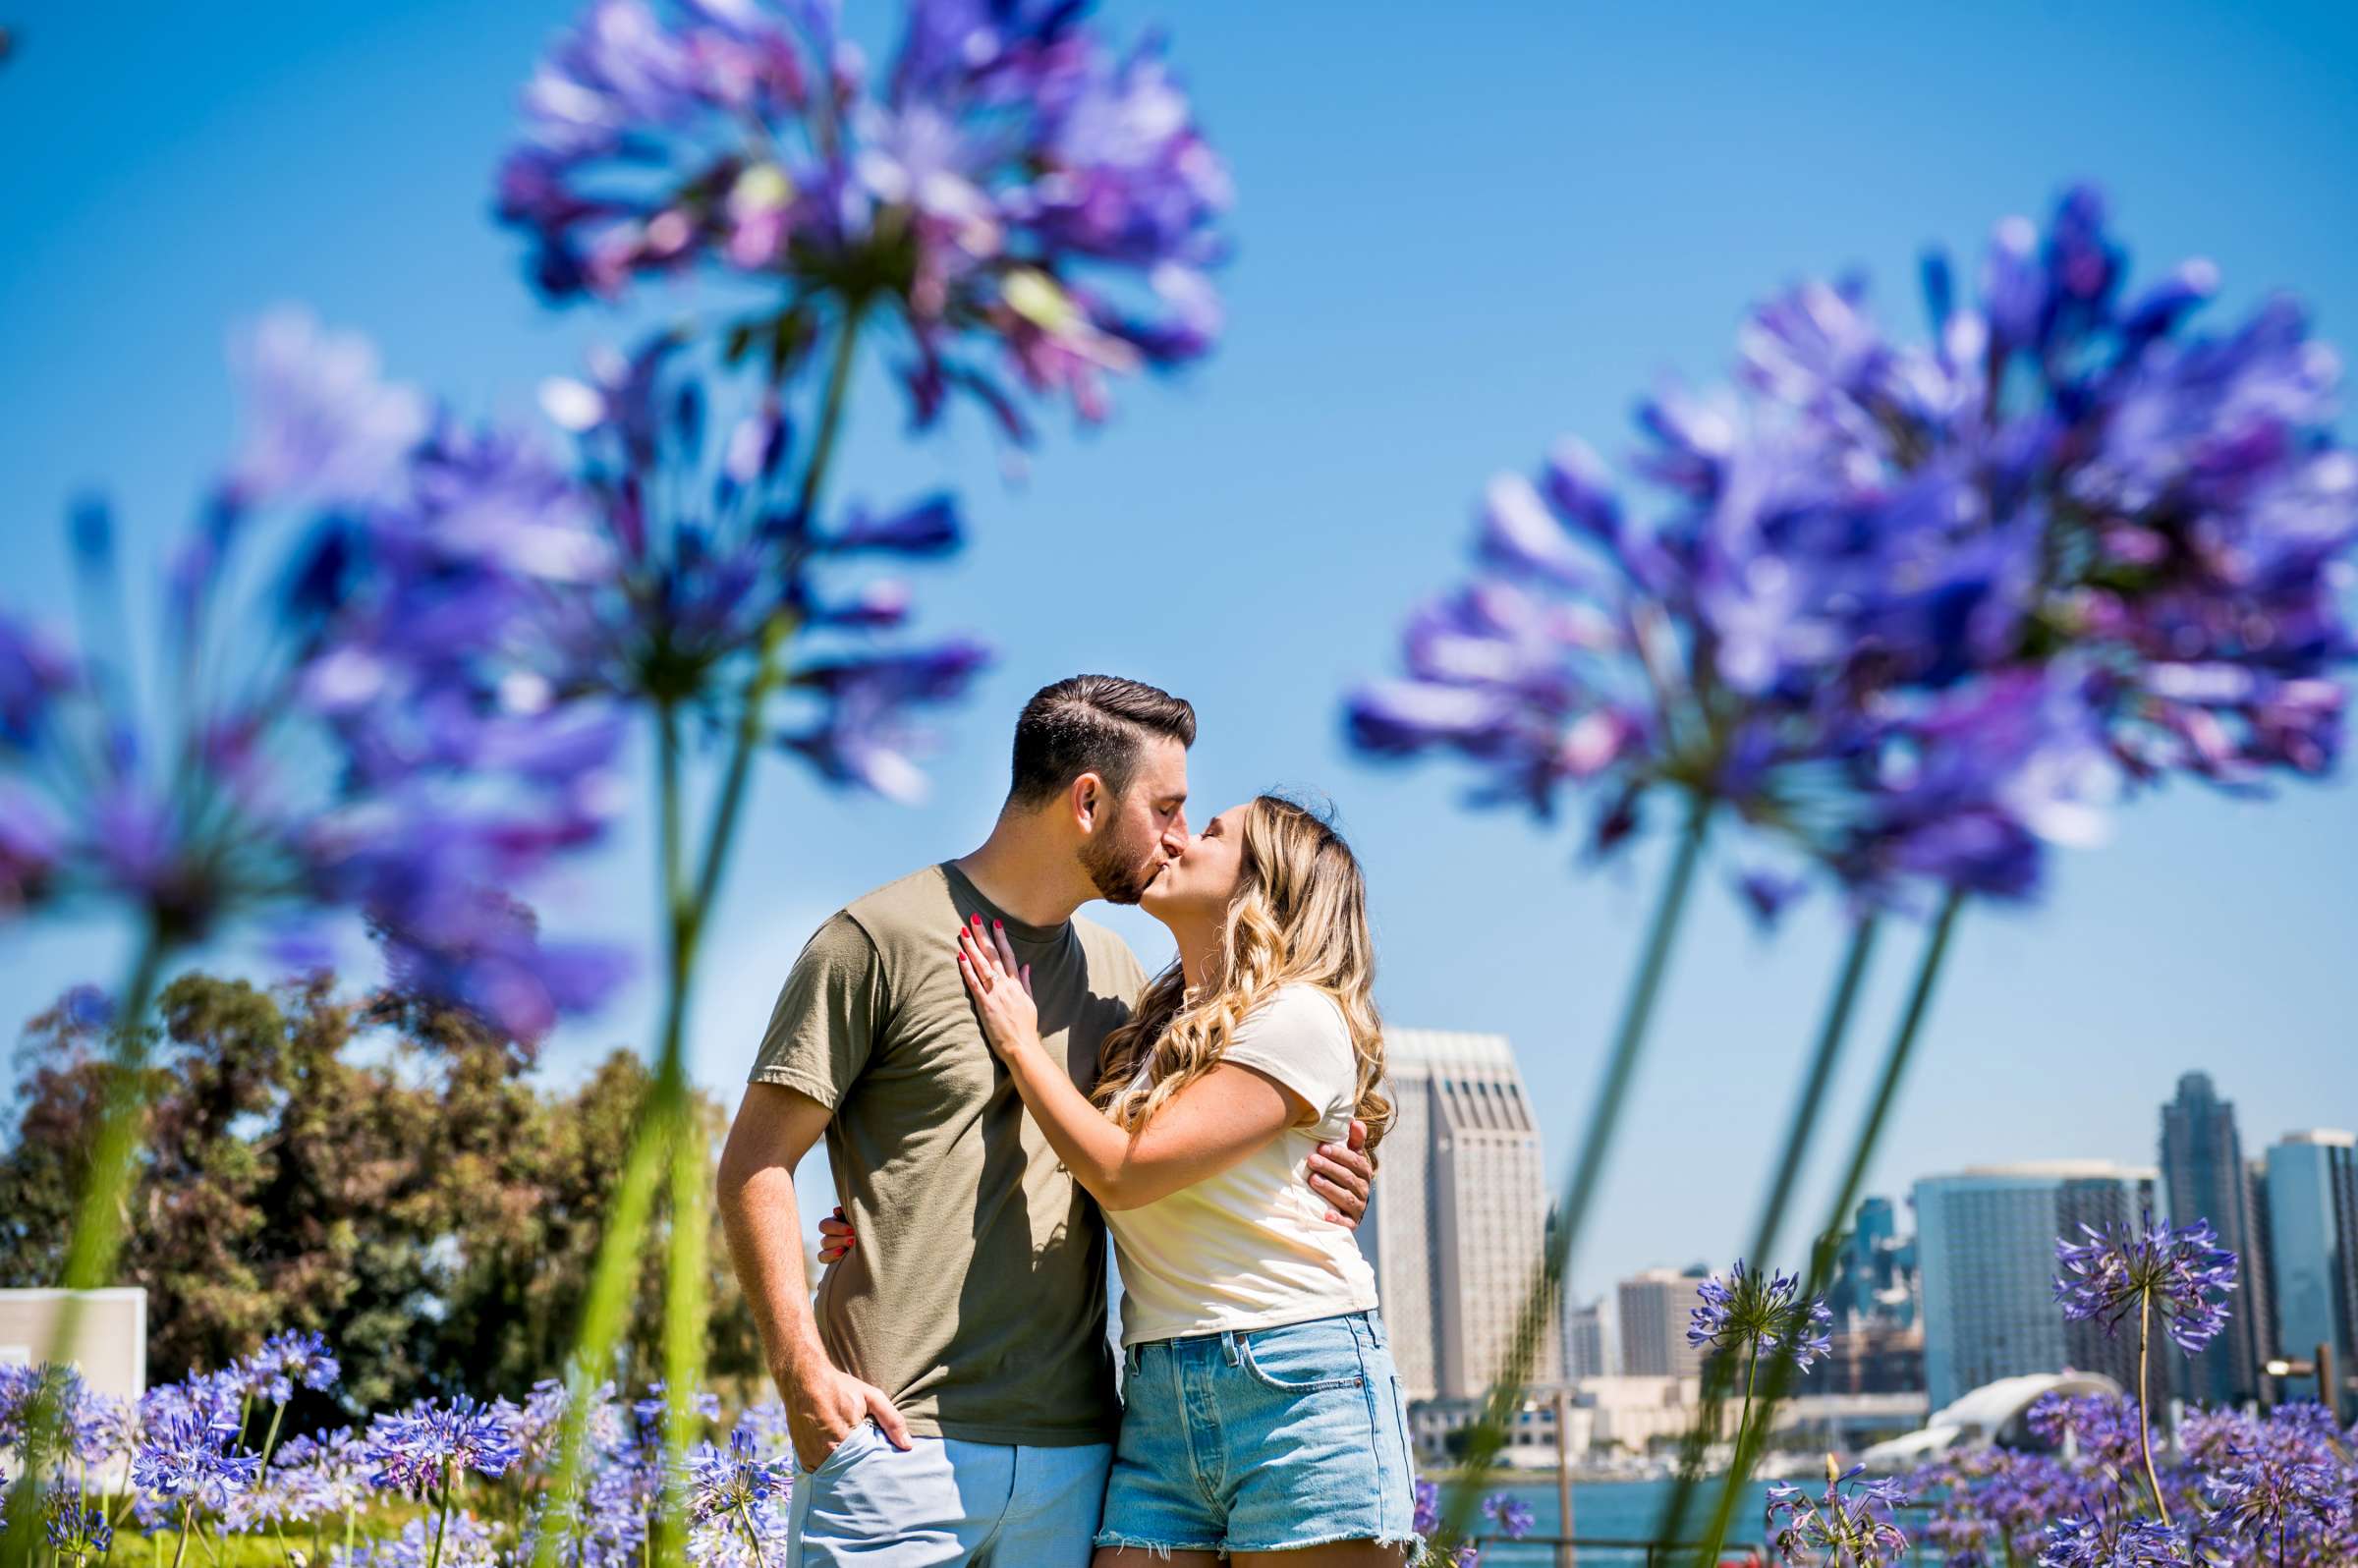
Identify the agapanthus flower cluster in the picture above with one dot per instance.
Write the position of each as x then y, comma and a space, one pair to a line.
1849, 1524
2114, 1541
736, 1497
425, 1543
1502, 1513
1011, 188
710, 564
76, 1528
424, 1448
1749, 1313
279, 778
80, 1424
2270, 1489
1992, 1505
1918, 610
193, 1459
285, 1362
2180, 1275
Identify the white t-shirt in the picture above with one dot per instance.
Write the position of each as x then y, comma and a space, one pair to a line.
1252, 1247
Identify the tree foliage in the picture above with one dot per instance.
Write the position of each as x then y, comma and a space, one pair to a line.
383, 1170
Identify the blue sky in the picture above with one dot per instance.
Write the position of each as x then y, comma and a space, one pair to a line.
1463, 230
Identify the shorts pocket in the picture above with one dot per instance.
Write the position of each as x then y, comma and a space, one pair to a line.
1304, 1358
842, 1451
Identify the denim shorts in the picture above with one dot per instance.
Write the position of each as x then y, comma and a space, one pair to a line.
1263, 1440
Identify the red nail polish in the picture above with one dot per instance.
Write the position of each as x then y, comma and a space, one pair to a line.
998, 925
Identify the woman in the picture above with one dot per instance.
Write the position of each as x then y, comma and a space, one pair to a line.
1262, 1416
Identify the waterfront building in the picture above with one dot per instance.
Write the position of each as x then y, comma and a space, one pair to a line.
1655, 1308
1875, 1278
1985, 1245
2204, 1176
1589, 1342
1457, 1221
2313, 1239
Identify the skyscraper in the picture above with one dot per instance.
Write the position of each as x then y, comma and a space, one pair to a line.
1875, 1272
2313, 1235
1459, 1216
1655, 1308
2203, 1173
1986, 1249
1588, 1342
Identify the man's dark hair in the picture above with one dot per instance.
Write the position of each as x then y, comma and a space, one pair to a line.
1092, 724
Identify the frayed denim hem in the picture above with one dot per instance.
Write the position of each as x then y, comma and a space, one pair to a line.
1408, 1538
1160, 1548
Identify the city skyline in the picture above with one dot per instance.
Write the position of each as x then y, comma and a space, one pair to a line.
1250, 536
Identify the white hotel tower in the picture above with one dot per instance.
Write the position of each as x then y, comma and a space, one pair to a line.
1459, 1216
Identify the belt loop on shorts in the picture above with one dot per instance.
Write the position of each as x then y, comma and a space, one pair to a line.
1229, 1340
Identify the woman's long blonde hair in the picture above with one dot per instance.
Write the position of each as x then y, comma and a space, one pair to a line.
1299, 916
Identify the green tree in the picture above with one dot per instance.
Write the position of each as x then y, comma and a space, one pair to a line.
385, 1172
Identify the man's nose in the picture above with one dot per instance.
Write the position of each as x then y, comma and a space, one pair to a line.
1175, 837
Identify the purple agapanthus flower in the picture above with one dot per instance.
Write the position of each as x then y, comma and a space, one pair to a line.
1751, 1312
78, 1529
1850, 1523
1009, 187
424, 1542
295, 778
425, 1447
2180, 1274
190, 1457
285, 1361
710, 569
2279, 1499
2107, 1428
2114, 1541
1510, 1515
1918, 610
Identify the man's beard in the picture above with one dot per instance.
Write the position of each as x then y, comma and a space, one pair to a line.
1120, 871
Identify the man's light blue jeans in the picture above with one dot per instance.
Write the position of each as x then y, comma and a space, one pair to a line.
995, 1505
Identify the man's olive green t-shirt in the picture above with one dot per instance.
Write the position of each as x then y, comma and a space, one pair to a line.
976, 1298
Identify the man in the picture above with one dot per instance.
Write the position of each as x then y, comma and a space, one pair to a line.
950, 1396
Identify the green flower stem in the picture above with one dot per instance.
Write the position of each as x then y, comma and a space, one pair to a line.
1800, 1128
1862, 1155
2145, 1411
684, 1314
180, 1547
270, 1439
1506, 1392
97, 1237
752, 1537
442, 1521
656, 1148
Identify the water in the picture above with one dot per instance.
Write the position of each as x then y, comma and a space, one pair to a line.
1616, 1510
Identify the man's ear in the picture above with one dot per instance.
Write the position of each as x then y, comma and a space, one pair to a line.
1088, 802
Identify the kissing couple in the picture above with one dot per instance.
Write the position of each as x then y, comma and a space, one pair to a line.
1000, 1084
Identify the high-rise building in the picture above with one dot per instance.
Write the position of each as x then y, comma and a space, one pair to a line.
1655, 1308
1588, 1342
2313, 1237
1985, 1245
1875, 1272
1458, 1219
2204, 1174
